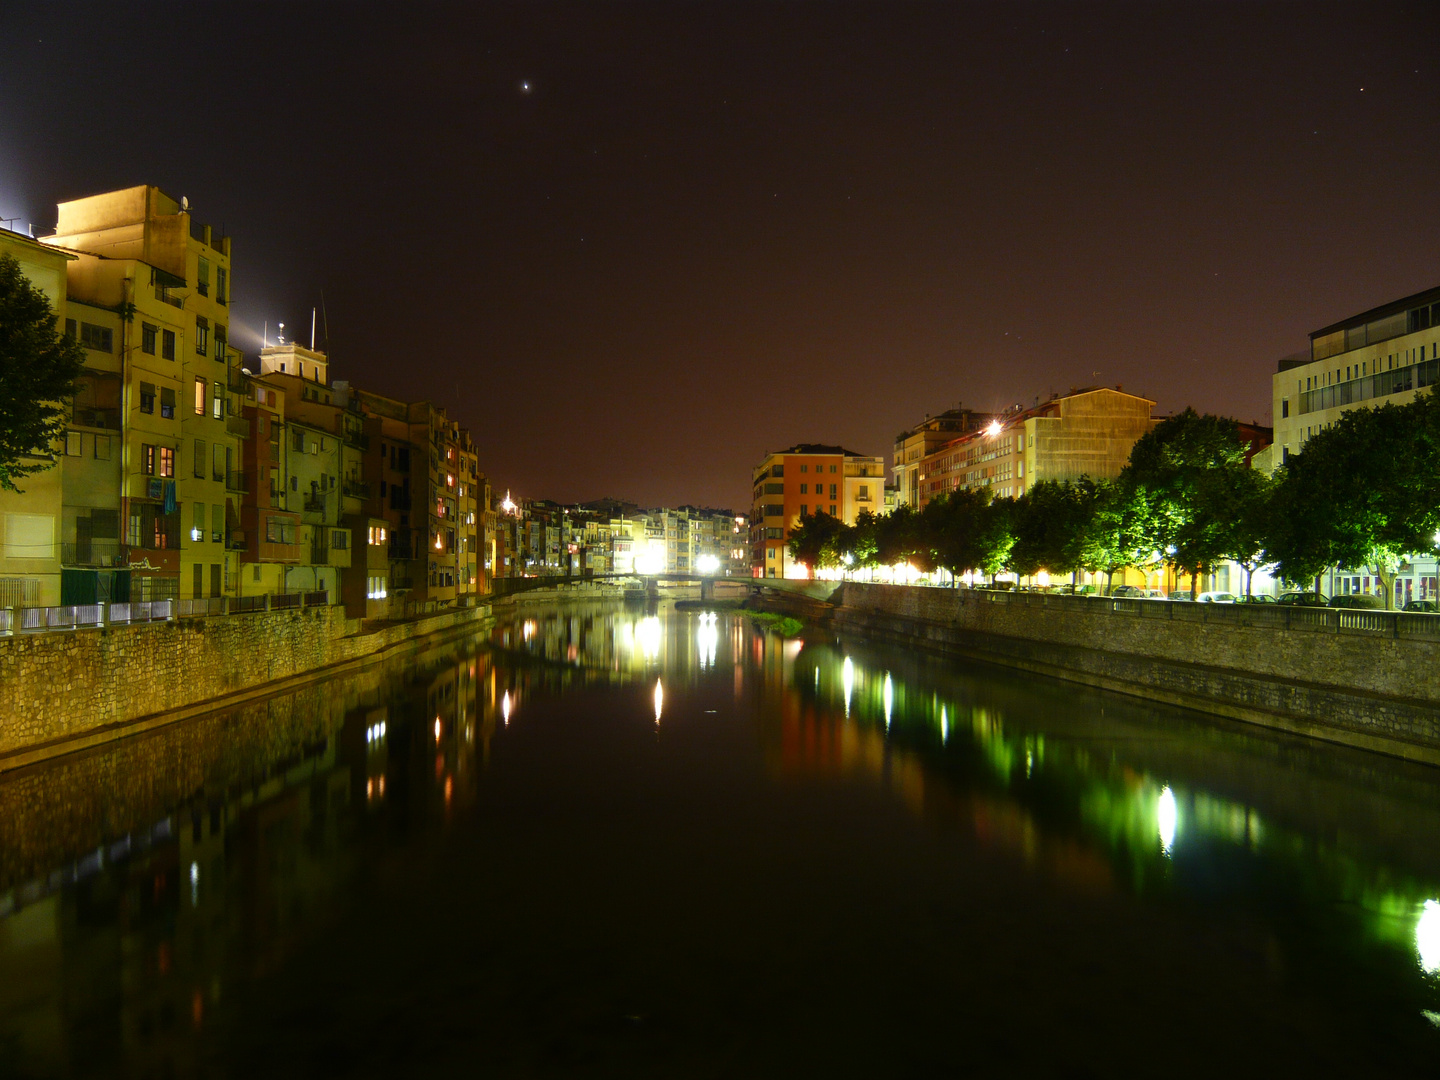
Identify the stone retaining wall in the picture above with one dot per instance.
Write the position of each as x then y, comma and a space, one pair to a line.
56, 687
1368, 690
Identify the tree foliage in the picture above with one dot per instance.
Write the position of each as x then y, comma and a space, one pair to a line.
38, 371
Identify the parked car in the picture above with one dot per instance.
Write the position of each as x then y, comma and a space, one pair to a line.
1063, 589
1179, 594
1258, 598
1127, 590
1154, 594
1303, 599
1358, 600
1429, 606
1216, 598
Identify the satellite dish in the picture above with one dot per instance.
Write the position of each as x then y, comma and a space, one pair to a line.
185, 203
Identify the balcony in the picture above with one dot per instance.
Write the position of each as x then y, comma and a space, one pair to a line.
236, 482
108, 419
314, 503
237, 426
358, 439
356, 489
96, 553
236, 540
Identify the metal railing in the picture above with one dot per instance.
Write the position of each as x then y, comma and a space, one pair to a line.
1393, 624
28, 620
236, 481
356, 489
90, 553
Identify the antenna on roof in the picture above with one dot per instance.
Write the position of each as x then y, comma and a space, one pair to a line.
265, 335
312, 329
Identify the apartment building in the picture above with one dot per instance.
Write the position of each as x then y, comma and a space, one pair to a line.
1387, 354
789, 484
919, 442
30, 520
1084, 433
141, 255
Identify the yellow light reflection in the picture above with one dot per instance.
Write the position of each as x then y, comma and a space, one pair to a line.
1167, 816
944, 725
889, 696
505, 707
659, 699
1427, 937
648, 634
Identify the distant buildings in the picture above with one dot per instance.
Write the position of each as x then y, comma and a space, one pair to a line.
1084, 433
915, 445
808, 477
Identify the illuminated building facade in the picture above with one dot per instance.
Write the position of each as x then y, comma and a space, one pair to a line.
141, 254
807, 478
1386, 355
919, 442
1085, 433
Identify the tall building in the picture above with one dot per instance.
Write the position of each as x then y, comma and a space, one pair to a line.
919, 442
31, 520
1085, 433
1387, 354
808, 477
142, 256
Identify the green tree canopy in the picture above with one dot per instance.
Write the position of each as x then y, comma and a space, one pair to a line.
38, 369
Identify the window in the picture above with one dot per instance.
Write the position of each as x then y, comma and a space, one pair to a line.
102, 448
202, 277
832, 491
1284, 407
199, 397
220, 283
148, 333
167, 344
167, 402
804, 509
804, 489
806, 468
774, 489
222, 338
770, 553
777, 470
99, 338
864, 494
217, 401
340, 540
70, 329
197, 529
72, 444
147, 459
279, 530
200, 458
217, 522
147, 397
202, 335
832, 509
167, 461
774, 510
199, 586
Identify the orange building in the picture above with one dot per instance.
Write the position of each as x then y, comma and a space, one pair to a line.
807, 478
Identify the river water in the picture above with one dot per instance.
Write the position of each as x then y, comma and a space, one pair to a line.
604, 842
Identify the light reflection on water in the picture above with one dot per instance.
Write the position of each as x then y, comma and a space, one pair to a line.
271, 810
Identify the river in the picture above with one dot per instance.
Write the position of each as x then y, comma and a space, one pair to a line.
604, 842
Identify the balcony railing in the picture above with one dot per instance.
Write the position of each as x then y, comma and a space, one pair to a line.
315, 503
357, 439
237, 425
356, 489
236, 541
98, 418
235, 481
90, 553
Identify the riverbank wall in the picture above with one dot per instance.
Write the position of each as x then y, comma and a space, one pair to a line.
1360, 678
64, 691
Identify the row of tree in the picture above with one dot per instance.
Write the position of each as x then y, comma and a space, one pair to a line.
1364, 493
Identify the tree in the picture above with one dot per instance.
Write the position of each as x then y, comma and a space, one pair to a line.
1248, 521
970, 532
1186, 470
812, 542
1362, 493
1047, 522
1119, 529
38, 370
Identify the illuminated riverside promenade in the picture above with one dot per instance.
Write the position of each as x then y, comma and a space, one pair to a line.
611, 842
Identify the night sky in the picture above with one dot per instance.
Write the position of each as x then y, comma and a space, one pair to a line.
634, 247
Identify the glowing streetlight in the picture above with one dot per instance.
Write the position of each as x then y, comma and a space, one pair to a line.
707, 564
994, 429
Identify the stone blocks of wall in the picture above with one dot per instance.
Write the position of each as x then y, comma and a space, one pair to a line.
56, 686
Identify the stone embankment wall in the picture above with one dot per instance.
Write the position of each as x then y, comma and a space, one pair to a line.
1368, 689
64, 689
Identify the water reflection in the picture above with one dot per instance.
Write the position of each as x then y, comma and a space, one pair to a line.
144, 885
